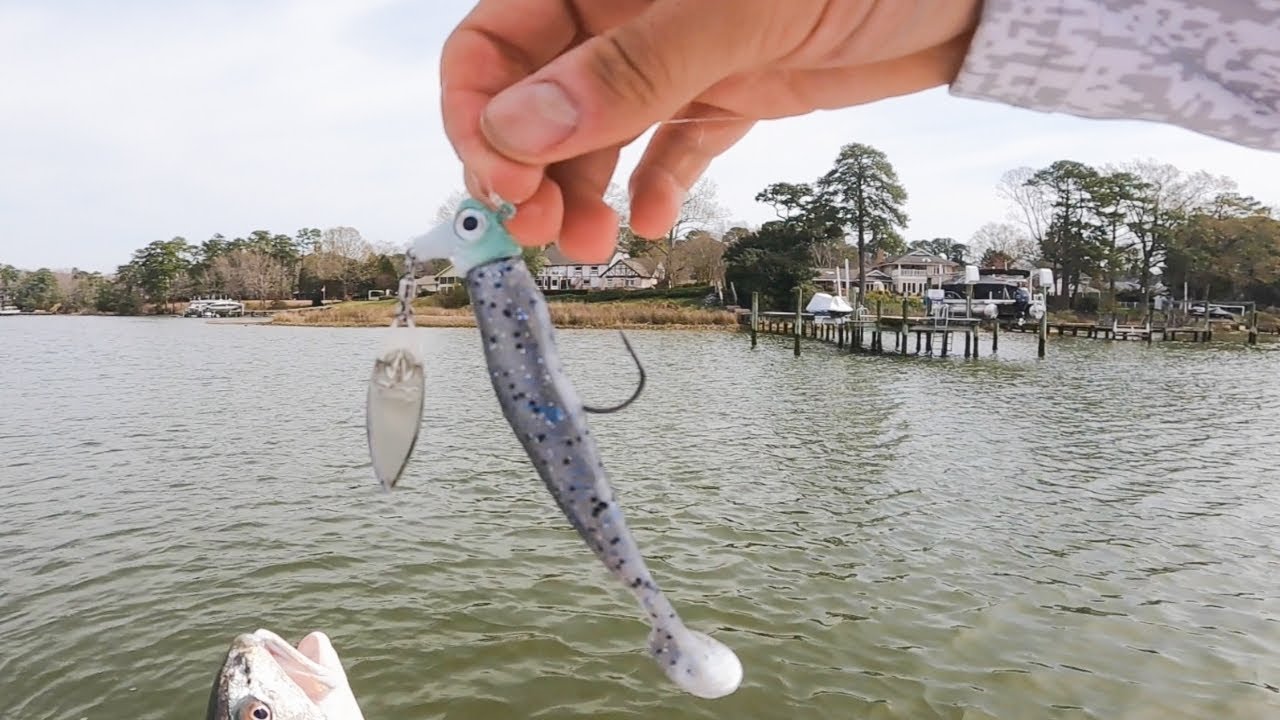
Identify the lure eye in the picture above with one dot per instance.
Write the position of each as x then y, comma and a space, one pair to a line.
255, 710
470, 225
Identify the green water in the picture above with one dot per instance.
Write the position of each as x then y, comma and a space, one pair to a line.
1091, 536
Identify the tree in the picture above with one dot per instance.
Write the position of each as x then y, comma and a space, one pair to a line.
700, 210
864, 190
37, 290
447, 209
307, 240
699, 259
1165, 199
1231, 245
158, 267
1069, 241
773, 261
1001, 245
946, 247
1031, 205
342, 250
252, 273
9, 276
1111, 194
790, 201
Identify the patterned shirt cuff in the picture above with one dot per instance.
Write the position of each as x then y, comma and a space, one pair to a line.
1210, 67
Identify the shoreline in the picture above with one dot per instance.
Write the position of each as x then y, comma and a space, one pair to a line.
635, 315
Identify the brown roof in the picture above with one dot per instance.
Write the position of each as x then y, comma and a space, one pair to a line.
645, 267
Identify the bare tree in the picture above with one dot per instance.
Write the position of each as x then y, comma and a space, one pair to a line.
445, 212
700, 210
699, 259
252, 274
341, 251
616, 197
1004, 240
1031, 204
1165, 197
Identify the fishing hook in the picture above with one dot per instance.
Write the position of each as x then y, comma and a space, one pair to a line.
639, 388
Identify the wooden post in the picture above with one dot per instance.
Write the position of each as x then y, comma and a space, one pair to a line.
755, 316
967, 339
995, 336
1208, 324
1253, 325
1044, 326
799, 319
878, 338
904, 327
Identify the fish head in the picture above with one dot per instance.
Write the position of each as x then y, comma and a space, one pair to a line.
266, 678
474, 236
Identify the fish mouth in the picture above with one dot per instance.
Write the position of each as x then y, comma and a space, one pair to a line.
308, 666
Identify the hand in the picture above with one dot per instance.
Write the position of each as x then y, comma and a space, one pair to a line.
539, 96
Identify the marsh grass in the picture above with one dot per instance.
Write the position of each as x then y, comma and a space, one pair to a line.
378, 313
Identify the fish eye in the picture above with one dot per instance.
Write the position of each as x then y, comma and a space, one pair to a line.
256, 710
469, 225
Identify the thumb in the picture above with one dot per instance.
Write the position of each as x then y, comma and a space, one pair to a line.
611, 88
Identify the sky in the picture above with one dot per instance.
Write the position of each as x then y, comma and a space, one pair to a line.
139, 120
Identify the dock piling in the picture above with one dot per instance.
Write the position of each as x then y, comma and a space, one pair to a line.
799, 327
1044, 328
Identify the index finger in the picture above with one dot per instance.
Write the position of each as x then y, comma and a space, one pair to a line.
496, 45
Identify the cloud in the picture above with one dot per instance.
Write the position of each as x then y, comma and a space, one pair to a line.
127, 122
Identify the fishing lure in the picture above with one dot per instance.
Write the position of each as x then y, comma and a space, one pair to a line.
545, 412
393, 408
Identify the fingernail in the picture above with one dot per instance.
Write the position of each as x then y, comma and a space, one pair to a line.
530, 119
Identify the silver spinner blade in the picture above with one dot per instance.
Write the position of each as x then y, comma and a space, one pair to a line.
397, 388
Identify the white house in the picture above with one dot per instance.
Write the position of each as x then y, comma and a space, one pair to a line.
632, 274
443, 281
826, 279
559, 273
917, 270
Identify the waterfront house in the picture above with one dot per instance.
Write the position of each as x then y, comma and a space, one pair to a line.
443, 281
630, 273
916, 271
559, 273
876, 280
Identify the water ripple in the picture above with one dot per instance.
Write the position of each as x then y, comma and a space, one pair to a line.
1087, 537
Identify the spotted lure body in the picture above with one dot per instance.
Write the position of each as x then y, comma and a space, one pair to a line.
545, 412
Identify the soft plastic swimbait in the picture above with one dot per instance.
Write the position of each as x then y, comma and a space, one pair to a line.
545, 412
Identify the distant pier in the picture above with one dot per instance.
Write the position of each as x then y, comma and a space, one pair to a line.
943, 335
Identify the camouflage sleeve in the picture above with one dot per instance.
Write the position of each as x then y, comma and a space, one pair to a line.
1210, 67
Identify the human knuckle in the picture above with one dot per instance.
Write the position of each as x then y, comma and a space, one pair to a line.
630, 66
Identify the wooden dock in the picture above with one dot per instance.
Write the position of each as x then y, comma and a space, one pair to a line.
1116, 331
933, 336
939, 334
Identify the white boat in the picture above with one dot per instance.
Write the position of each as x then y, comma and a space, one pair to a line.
213, 307
828, 306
